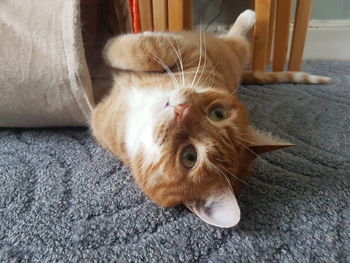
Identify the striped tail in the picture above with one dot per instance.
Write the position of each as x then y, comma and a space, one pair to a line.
240, 28
254, 77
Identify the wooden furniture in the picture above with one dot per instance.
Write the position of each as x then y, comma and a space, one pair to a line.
165, 15
271, 33
146, 15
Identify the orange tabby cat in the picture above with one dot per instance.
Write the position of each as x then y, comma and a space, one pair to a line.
173, 116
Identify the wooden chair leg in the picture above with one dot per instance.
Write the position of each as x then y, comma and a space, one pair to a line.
146, 16
281, 34
301, 21
252, 4
263, 9
176, 15
271, 32
160, 15
187, 14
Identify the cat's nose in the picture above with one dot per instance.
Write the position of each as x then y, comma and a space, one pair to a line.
181, 110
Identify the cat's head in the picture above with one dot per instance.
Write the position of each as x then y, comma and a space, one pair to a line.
195, 146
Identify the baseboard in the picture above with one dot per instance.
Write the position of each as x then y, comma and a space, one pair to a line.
328, 39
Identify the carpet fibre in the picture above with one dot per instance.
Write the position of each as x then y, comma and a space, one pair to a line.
65, 199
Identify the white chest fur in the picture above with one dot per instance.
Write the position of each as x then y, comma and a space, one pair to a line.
143, 106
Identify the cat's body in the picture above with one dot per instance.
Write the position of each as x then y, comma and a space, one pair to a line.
174, 117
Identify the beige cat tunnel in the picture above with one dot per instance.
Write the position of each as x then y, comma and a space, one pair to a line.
51, 70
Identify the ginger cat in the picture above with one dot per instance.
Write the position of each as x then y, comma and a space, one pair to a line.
174, 117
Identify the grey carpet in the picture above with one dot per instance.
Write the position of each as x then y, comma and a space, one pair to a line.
64, 199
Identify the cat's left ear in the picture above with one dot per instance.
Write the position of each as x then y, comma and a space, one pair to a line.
264, 142
220, 209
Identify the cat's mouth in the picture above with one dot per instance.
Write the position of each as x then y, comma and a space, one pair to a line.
174, 106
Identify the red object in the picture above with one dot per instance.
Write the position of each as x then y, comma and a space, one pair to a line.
131, 2
135, 15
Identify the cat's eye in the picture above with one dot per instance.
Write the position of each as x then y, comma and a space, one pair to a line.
218, 114
189, 156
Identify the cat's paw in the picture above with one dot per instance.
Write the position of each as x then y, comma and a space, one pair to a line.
243, 24
248, 19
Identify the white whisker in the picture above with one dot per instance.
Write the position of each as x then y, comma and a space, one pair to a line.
249, 150
239, 84
223, 174
210, 74
181, 63
165, 66
205, 60
242, 181
200, 59
179, 59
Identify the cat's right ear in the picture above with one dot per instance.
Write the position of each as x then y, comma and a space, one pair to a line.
220, 209
143, 52
264, 142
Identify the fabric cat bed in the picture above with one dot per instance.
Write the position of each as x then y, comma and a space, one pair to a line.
45, 78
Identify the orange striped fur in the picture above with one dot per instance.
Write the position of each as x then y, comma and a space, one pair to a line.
283, 77
138, 121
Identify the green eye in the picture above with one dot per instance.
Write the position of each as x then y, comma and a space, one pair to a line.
217, 114
189, 156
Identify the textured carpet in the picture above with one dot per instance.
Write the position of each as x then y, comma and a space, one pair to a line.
65, 199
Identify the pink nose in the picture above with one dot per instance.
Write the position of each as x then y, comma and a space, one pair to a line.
181, 110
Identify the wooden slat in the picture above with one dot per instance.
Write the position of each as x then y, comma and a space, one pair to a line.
301, 21
271, 31
250, 37
176, 15
252, 4
187, 14
262, 8
146, 15
160, 14
281, 34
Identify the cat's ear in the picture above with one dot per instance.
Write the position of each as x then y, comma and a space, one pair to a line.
221, 209
264, 142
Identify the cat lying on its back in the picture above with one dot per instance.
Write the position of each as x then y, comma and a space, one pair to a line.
173, 116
